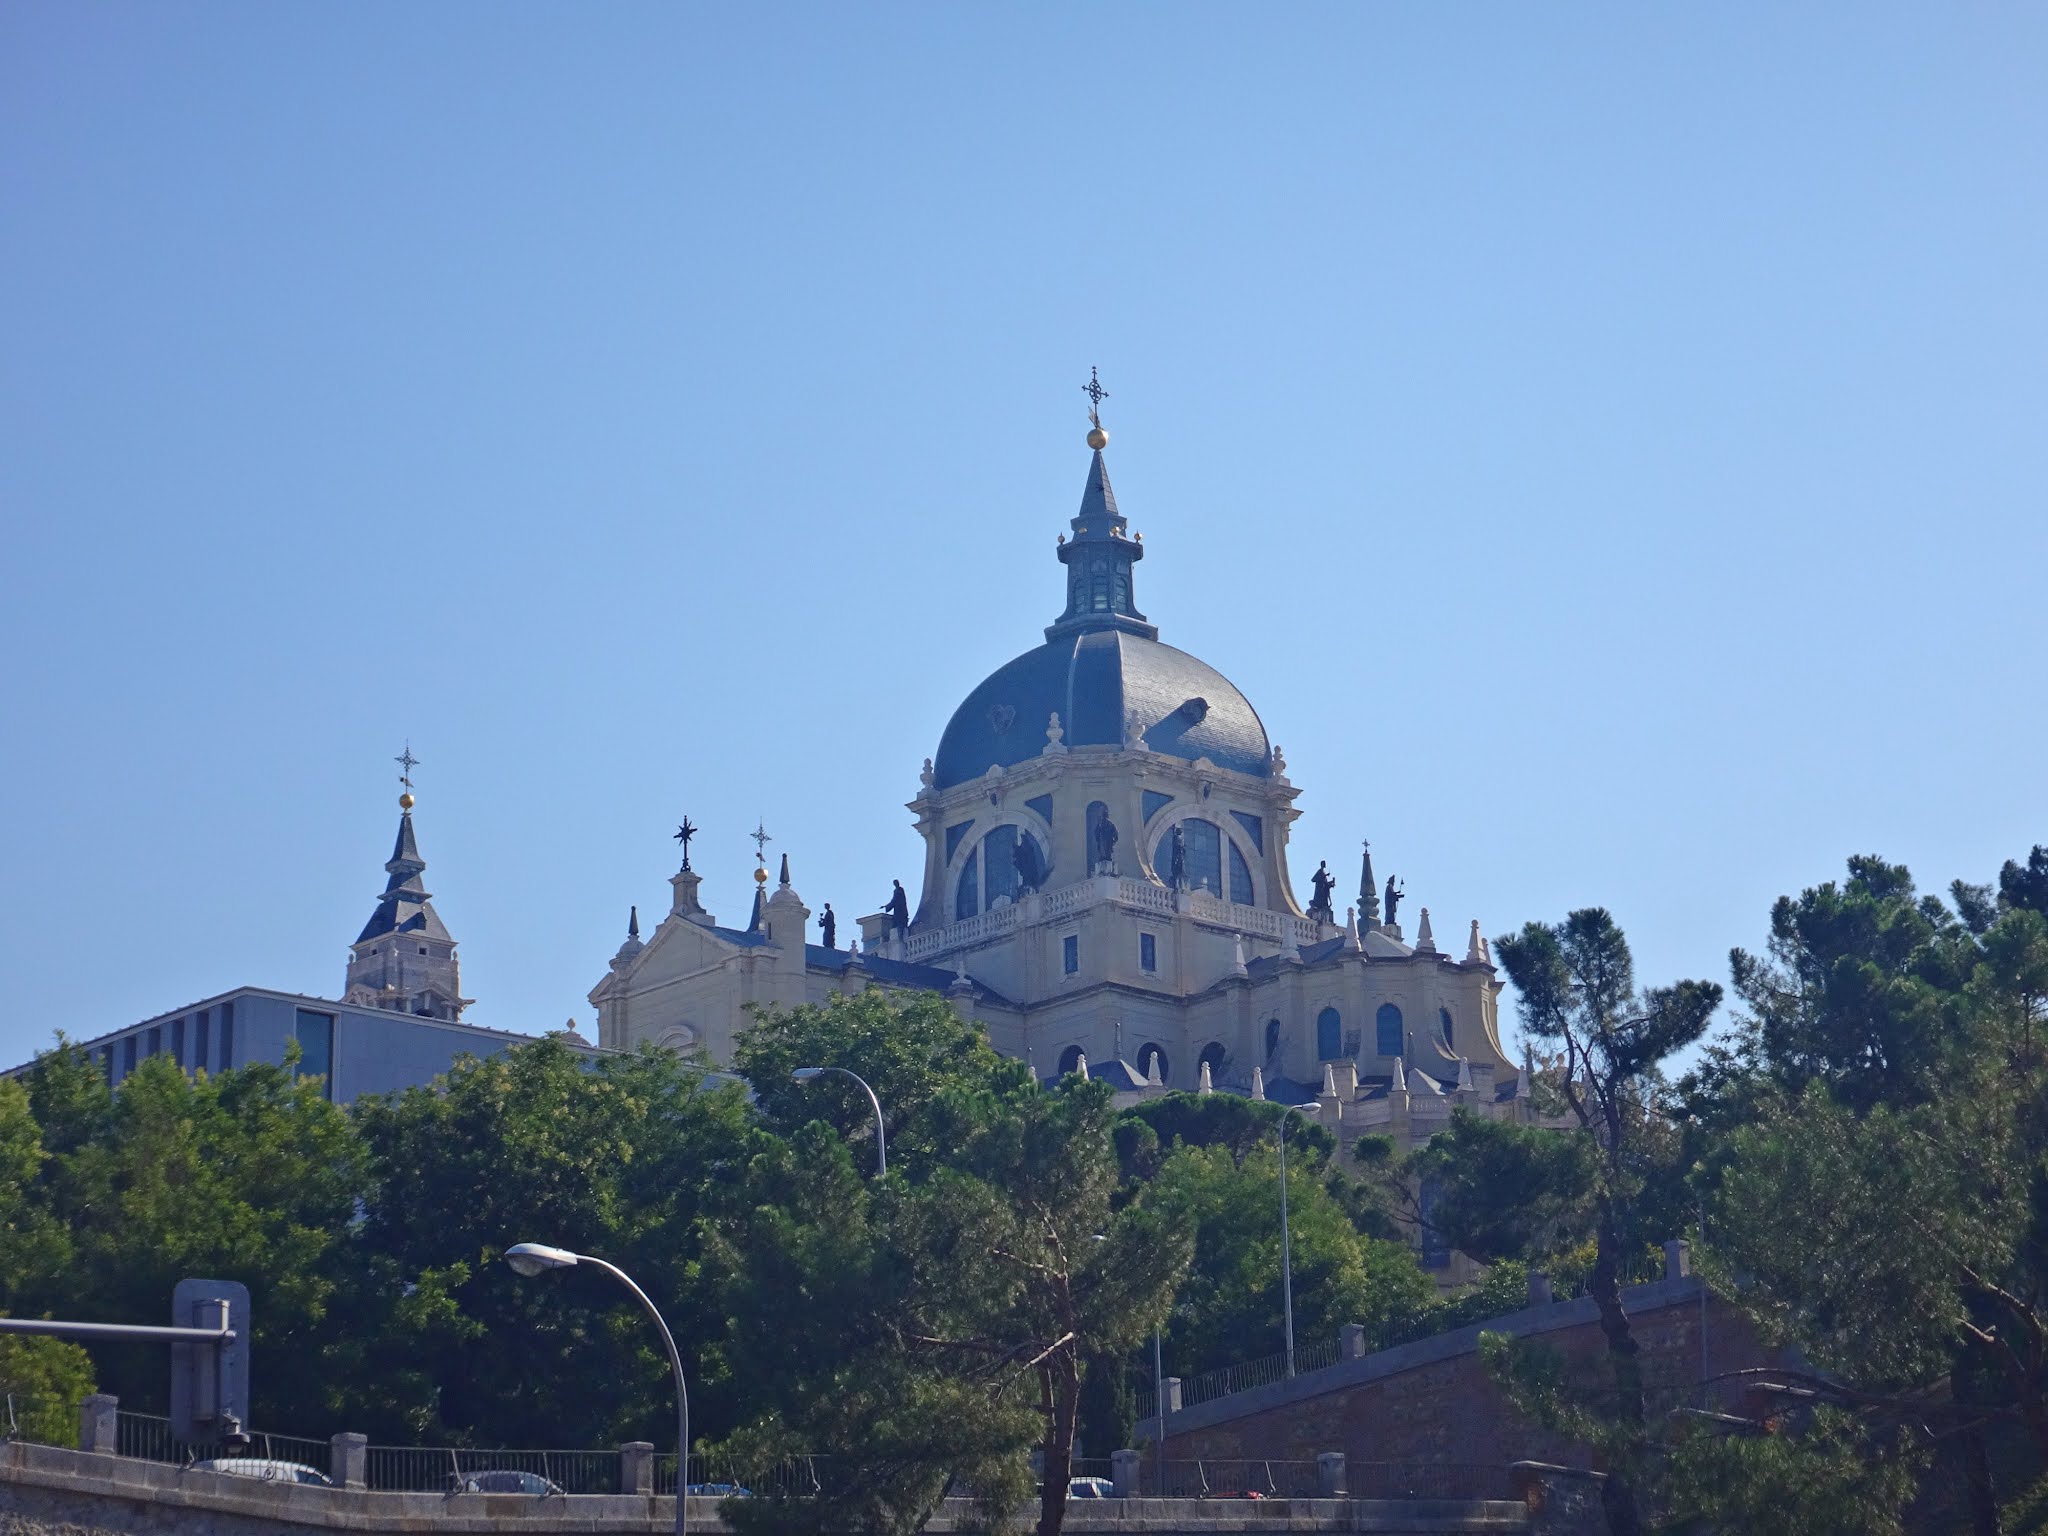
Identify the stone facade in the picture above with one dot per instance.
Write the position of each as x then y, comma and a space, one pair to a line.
1105, 882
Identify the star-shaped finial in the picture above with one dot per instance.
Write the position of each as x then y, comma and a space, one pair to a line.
1096, 395
406, 763
684, 833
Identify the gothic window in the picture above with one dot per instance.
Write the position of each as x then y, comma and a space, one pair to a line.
967, 899
1240, 878
1148, 952
1149, 1053
1272, 1038
1329, 1035
1070, 1059
1213, 1057
1450, 1036
1388, 1024
1070, 953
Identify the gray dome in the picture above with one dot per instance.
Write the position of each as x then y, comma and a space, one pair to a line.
1095, 679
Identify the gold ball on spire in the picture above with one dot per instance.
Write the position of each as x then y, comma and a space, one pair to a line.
1097, 439
760, 876
405, 801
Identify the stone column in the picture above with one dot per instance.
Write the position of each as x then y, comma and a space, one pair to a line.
636, 1467
96, 1424
1330, 1480
1677, 1259
1351, 1341
1123, 1471
1169, 1397
1540, 1294
348, 1458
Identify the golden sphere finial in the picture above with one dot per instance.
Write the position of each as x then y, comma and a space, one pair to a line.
405, 801
1097, 439
760, 875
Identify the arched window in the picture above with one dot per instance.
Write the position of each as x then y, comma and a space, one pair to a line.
1329, 1035
1070, 1060
1240, 878
967, 899
1272, 1038
996, 869
1213, 1057
1450, 1032
1149, 1053
1204, 868
1388, 1024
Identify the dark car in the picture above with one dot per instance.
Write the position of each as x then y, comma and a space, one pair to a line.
504, 1481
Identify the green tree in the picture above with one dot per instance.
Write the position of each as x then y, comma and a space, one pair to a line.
42, 1382
1507, 1191
1576, 989
620, 1158
251, 1175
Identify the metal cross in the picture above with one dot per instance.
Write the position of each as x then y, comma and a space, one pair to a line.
761, 842
684, 833
1096, 395
406, 763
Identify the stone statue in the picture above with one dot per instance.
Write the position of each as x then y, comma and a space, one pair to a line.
1394, 895
1105, 840
897, 906
1178, 858
1030, 876
828, 927
1319, 906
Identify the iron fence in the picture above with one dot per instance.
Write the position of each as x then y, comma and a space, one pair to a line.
39, 1420
148, 1437
713, 1476
1226, 1479
449, 1468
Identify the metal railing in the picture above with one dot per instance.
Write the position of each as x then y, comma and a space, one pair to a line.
38, 1420
720, 1476
447, 1468
1427, 1480
1225, 1479
148, 1437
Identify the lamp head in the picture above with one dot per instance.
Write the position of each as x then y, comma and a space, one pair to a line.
805, 1074
532, 1258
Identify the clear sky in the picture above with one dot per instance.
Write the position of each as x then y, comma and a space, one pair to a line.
1605, 443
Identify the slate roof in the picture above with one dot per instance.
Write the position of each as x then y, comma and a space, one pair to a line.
405, 906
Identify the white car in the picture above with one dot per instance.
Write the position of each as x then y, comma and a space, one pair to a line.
264, 1467
1090, 1488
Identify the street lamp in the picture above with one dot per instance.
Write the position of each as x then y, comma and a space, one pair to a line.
1286, 1239
805, 1074
532, 1258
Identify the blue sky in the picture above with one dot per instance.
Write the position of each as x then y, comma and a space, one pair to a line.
1605, 443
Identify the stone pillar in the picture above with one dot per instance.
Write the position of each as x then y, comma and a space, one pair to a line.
1169, 1396
1351, 1342
96, 1424
348, 1457
1677, 1259
1123, 1471
1540, 1294
636, 1467
1330, 1480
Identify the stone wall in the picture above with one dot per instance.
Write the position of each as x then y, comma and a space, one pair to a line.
1432, 1401
45, 1491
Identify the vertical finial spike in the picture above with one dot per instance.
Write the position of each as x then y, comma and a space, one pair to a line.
1259, 1083
785, 872
633, 923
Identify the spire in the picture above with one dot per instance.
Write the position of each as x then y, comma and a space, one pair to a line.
1258, 1083
1475, 951
1101, 553
760, 902
1425, 941
1464, 1076
1369, 892
1152, 1077
1329, 1079
632, 946
1400, 1084
1081, 1065
633, 923
1208, 1082
784, 882
1237, 956
1351, 938
404, 959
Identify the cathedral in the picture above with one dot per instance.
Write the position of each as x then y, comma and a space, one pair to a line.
1106, 890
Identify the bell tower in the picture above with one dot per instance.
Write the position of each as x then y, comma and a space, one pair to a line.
404, 959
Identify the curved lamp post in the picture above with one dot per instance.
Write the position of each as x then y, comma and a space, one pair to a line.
532, 1258
805, 1074
1286, 1239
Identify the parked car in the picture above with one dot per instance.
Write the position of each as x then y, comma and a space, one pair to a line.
265, 1467
1090, 1488
720, 1491
504, 1480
